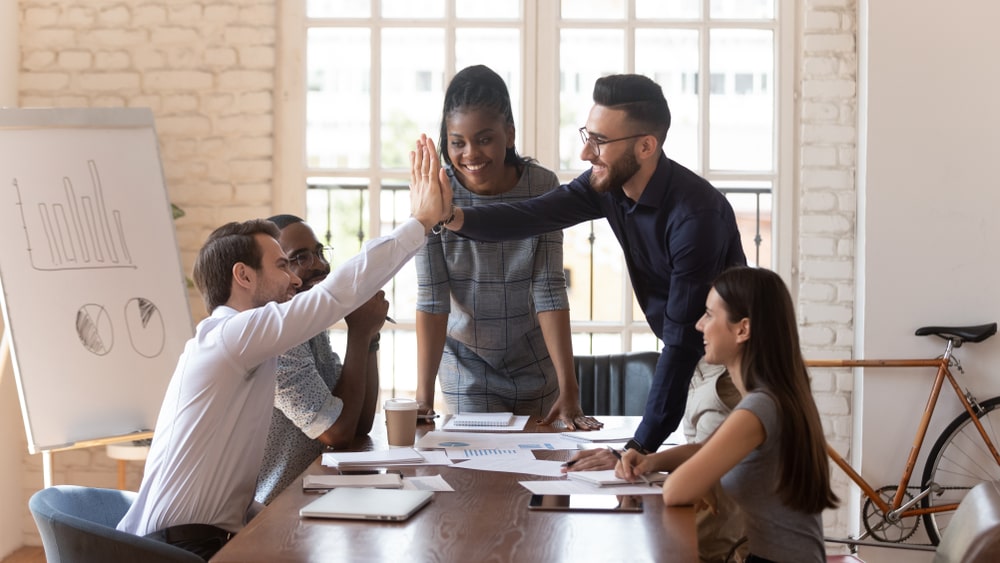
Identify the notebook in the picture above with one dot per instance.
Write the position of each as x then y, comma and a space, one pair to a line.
367, 504
606, 477
317, 483
482, 419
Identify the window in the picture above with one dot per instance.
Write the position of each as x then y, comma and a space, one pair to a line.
364, 78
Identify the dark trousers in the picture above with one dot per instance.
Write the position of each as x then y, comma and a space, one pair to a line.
755, 559
204, 540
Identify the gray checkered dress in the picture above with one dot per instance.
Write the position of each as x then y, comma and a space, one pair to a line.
495, 358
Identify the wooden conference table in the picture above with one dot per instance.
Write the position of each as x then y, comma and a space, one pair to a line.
485, 519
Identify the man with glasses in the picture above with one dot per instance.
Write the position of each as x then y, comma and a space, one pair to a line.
318, 401
678, 233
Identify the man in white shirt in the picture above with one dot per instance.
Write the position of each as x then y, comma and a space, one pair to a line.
198, 486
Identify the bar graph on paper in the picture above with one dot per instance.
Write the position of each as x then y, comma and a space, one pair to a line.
76, 232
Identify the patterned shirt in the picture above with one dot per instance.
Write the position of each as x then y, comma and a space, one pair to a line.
495, 358
304, 408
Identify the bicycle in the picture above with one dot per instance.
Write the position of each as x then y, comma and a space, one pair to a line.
963, 455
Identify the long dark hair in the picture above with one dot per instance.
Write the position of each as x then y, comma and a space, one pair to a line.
772, 363
478, 87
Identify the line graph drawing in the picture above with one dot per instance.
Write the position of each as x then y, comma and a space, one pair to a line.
78, 232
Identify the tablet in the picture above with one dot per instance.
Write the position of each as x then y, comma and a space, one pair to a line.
367, 504
587, 503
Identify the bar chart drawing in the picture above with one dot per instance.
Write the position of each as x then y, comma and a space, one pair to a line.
79, 232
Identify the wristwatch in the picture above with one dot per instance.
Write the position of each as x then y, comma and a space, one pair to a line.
632, 444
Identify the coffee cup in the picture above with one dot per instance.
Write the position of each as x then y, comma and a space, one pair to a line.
400, 421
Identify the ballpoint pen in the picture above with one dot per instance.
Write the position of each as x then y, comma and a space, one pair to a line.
390, 319
619, 456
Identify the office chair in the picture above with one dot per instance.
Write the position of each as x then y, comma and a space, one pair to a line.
615, 384
77, 525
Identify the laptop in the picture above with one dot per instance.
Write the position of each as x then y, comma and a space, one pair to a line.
367, 504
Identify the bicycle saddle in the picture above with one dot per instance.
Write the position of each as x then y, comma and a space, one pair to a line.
976, 333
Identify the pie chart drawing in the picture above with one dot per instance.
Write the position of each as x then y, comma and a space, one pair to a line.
144, 324
93, 326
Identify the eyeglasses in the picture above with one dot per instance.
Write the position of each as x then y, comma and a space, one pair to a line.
306, 258
595, 144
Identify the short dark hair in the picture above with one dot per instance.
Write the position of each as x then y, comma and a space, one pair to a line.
640, 98
477, 87
285, 219
231, 243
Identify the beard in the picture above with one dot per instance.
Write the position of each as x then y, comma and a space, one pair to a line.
616, 174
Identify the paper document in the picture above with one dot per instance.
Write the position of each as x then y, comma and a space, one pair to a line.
437, 439
377, 457
427, 483
325, 482
509, 464
606, 478
514, 424
571, 487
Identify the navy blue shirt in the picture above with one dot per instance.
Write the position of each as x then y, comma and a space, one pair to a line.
677, 238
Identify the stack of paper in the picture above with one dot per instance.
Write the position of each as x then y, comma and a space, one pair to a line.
377, 481
606, 478
486, 422
395, 456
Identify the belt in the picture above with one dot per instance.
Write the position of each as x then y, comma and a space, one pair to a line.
190, 532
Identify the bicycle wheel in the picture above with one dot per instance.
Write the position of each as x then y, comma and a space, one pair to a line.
959, 461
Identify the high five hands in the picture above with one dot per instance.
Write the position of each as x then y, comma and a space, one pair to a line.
430, 190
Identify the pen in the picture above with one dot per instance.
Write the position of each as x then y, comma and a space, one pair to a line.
619, 456
390, 319
569, 463
427, 416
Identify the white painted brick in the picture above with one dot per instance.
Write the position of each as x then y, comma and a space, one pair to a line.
220, 56
257, 193
815, 335
108, 101
826, 89
259, 15
828, 270
151, 102
848, 155
217, 13
185, 13
820, 20
112, 60
818, 312
180, 103
833, 178
819, 156
75, 60
813, 111
114, 16
149, 15
38, 60
818, 246
70, 101
817, 201
256, 102
185, 80
846, 247
53, 38
254, 146
243, 212
814, 43
848, 198
52, 81
243, 80
821, 4
39, 16
146, 59
821, 382
832, 405
120, 37
105, 81
172, 35
246, 124
255, 57
238, 36
245, 170
184, 126
820, 66
814, 291
830, 134
831, 224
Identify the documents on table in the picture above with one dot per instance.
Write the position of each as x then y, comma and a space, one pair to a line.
317, 483
486, 422
427, 483
606, 478
514, 464
437, 439
572, 487
394, 457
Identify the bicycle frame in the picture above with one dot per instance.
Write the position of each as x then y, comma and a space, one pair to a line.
897, 509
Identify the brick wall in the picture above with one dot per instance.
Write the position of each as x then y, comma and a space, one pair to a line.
827, 154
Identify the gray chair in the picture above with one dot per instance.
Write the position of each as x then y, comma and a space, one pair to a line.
77, 524
615, 384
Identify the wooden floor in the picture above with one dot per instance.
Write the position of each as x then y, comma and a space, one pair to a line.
26, 555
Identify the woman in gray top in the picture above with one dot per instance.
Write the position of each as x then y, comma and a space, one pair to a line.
770, 452
493, 317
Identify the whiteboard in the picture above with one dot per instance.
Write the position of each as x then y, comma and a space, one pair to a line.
94, 296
